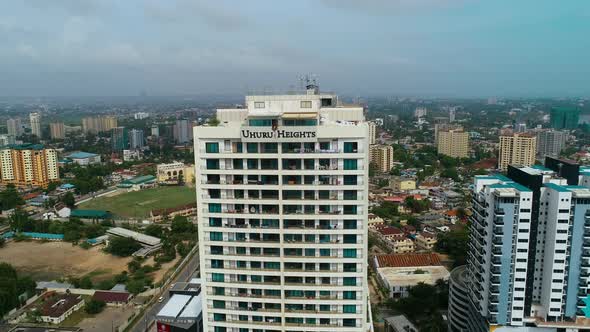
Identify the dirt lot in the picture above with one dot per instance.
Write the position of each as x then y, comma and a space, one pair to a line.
53, 260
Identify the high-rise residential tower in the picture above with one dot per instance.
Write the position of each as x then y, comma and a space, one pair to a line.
453, 142
98, 124
14, 127
372, 132
181, 131
28, 165
136, 139
564, 118
529, 258
382, 157
517, 149
57, 130
119, 138
35, 119
282, 199
550, 142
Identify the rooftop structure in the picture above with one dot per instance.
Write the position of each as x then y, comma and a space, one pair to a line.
139, 237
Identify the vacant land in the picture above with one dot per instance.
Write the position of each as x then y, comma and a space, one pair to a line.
54, 260
138, 204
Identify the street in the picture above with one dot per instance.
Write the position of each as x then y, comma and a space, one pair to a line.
191, 270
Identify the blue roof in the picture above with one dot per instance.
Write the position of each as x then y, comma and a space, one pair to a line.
541, 168
8, 235
556, 187
82, 155
67, 186
512, 185
46, 236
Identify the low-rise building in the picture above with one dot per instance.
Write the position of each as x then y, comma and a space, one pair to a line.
399, 323
375, 221
84, 158
396, 239
452, 198
174, 173
186, 210
397, 273
398, 183
183, 311
138, 183
57, 307
425, 241
112, 298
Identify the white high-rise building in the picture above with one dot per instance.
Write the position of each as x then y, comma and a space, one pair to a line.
181, 131
136, 139
282, 195
141, 115
14, 127
529, 250
372, 132
35, 119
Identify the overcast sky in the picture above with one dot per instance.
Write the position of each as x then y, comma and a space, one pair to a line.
357, 47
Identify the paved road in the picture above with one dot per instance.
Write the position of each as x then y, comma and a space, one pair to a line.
190, 271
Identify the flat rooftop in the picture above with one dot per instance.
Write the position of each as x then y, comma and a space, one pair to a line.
409, 276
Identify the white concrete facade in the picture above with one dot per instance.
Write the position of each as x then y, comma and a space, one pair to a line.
282, 199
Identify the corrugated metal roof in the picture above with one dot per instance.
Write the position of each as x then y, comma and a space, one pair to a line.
174, 306
193, 308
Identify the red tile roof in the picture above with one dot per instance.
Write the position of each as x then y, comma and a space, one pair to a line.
56, 305
388, 230
111, 297
408, 260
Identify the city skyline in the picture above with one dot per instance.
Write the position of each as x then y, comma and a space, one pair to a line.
430, 48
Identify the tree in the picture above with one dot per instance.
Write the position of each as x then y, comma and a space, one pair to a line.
51, 186
10, 198
69, 200
20, 222
11, 286
214, 122
133, 266
153, 230
135, 286
94, 306
181, 225
450, 173
2, 242
122, 246
454, 243
85, 283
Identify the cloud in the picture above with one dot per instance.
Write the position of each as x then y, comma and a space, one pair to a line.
72, 7
217, 17
387, 7
26, 50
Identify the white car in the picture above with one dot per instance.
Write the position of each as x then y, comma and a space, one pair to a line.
160, 299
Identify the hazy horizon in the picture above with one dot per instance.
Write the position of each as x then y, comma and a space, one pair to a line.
406, 48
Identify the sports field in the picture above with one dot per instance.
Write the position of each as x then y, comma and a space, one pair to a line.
138, 204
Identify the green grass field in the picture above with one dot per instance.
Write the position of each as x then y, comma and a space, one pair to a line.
138, 204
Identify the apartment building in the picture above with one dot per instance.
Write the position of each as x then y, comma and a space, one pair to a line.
528, 263
550, 142
382, 157
28, 165
98, 124
35, 121
57, 130
517, 149
453, 143
282, 205
372, 132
